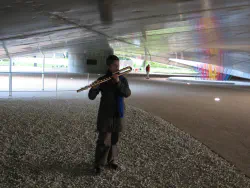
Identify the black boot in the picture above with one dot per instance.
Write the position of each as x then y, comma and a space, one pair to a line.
98, 170
113, 166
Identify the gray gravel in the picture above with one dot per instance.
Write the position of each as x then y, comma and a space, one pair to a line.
50, 143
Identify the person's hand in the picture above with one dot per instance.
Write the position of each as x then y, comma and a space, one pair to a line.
96, 86
116, 78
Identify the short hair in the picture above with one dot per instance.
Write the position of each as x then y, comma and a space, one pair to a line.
111, 59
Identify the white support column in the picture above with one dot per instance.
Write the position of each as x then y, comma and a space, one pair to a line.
56, 83
145, 58
43, 71
10, 77
42, 67
85, 93
145, 54
10, 68
88, 79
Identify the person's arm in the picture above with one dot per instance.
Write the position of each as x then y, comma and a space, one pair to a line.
123, 88
93, 92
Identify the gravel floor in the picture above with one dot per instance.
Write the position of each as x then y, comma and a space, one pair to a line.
50, 143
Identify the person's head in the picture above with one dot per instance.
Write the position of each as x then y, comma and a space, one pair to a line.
113, 63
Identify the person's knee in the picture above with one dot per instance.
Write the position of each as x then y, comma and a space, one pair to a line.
115, 138
104, 139
114, 142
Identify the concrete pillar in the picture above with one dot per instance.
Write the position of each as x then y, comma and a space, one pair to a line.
43, 70
10, 68
182, 57
10, 77
89, 57
145, 58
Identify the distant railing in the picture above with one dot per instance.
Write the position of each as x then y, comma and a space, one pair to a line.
43, 82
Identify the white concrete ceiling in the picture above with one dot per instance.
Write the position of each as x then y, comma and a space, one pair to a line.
161, 27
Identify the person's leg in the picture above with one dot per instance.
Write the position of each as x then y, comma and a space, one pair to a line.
147, 75
103, 145
113, 152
